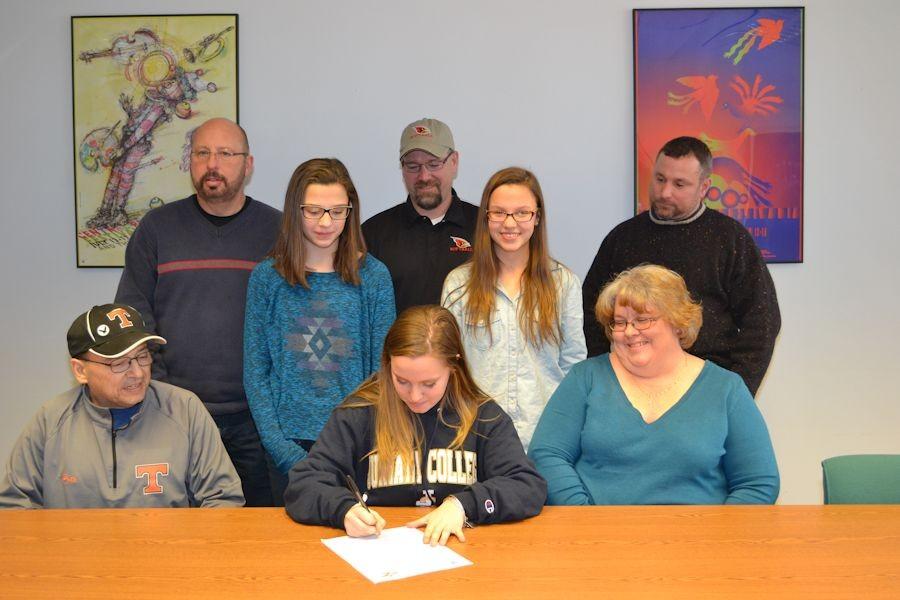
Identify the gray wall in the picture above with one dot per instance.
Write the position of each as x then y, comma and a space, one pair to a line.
545, 85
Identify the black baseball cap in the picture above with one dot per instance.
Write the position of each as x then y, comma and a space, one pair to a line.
110, 331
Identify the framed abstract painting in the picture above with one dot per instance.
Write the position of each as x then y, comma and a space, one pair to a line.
732, 77
140, 86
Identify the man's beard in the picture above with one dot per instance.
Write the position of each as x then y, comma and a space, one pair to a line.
660, 210
427, 200
666, 211
225, 192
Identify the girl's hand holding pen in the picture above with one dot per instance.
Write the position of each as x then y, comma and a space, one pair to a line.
360, 522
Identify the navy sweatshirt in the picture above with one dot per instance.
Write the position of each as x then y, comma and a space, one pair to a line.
490, 474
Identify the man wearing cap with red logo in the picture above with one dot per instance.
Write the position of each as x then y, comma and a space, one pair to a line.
119, 439
429, 235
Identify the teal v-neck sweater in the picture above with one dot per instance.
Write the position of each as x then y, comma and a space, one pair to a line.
712, 447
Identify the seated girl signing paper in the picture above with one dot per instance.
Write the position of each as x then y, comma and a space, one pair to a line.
417, 433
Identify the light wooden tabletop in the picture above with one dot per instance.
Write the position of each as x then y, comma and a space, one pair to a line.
566, 552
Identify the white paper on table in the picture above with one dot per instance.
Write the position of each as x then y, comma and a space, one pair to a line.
396, 554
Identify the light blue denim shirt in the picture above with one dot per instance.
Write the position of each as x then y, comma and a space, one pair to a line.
518, 375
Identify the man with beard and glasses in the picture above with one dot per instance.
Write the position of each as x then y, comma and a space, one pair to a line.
429, 235
716, 255
186, 270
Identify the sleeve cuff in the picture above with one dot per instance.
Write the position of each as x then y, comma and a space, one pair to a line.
467, 500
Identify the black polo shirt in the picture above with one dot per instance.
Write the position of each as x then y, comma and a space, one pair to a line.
418, 254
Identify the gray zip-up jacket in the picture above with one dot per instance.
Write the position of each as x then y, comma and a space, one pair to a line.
169, 455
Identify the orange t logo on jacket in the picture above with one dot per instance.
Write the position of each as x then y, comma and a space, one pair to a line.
152, 472
122, 315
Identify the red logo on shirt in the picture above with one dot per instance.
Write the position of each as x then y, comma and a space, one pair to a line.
68, 479
460, 245
152, 473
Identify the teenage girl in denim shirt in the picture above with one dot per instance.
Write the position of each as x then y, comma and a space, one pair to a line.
520, 311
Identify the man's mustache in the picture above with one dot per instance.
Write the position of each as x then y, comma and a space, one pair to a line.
212, 175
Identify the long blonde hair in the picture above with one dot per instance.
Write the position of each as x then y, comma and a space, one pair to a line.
289, 251
539, 307
418, 331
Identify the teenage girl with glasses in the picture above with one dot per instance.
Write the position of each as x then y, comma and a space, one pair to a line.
317, 312
519, 310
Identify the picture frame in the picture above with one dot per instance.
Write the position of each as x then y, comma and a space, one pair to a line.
732, 77
140, 85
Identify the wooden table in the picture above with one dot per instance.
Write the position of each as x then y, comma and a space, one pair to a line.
567, 552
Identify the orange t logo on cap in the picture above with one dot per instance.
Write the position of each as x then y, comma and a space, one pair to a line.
122, 316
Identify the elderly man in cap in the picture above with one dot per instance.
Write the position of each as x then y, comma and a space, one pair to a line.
118, 439
429, 235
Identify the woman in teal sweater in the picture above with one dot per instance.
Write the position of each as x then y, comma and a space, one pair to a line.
649, 423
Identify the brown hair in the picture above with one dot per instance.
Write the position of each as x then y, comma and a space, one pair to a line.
418, 331
289, 251
539, 308
652, 285
690, 146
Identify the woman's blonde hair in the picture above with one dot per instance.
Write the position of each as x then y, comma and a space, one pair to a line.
418, 331
654, 286
539, 308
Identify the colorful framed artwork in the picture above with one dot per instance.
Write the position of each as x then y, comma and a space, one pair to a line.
140, 86
732, 77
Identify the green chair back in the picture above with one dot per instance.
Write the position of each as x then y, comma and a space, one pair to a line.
862, 479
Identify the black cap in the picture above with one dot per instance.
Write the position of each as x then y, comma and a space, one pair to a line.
110, 331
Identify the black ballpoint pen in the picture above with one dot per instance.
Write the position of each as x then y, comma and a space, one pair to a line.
351, 483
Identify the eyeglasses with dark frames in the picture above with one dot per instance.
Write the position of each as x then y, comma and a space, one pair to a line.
431, 166
519, 216
120, 365
315, 212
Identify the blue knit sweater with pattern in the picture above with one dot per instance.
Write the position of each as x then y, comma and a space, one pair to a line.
306, 349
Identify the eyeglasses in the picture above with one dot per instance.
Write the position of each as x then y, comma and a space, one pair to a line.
640, 323
520, 216
314, 212
203, 155
431, 166
144, 359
